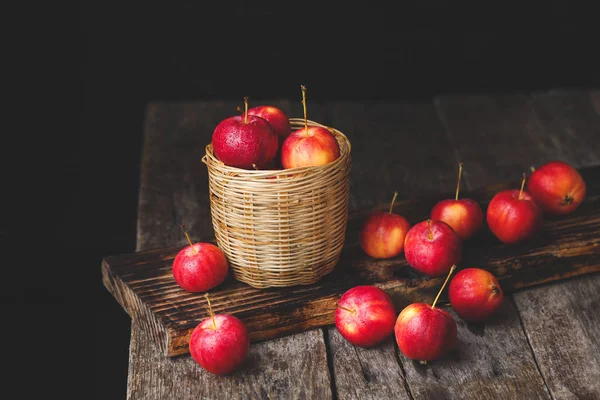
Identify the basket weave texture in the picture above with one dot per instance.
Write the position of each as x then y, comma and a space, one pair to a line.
281, 228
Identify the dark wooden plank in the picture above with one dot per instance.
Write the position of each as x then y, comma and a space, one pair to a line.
512, 122
562, 322
385, 138
571, 123
144, 286
595, 97
174, 190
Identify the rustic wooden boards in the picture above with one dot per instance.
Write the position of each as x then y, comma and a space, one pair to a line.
152, 376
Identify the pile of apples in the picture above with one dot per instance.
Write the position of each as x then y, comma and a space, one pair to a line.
252, 140
365, 315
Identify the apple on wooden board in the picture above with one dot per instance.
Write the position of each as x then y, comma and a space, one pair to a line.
475, 294
432, 247
309, 146
424, 332
382, 234
245, 141
513, 216
365, 315
200, 266
274, 116
219, 343
557, 188
463, 215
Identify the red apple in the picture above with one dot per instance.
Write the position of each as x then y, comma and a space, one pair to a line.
557, 188
424, 332
513, 215
463, 215
365, 315
475, 294
200, 266
245, 141
220, 343
432, 247
274, 116
383, 233
309, 146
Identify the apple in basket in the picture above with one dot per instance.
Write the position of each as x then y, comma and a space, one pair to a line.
219, 343
245, 141
274, 116
309, 145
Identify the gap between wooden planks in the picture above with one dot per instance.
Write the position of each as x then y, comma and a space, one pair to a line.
143, 285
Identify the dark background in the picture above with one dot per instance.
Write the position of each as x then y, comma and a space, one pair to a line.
131, 54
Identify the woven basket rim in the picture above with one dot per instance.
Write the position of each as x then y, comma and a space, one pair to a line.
345, 151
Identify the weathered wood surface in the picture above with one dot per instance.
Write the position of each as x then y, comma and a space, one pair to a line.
564, 126
143, 282
152, 376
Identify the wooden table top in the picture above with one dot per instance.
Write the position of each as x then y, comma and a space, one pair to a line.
542, 344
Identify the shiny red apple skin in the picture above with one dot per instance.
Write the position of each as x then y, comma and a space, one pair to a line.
372, 320
274, 116
432, 255
557, 188
463, 215
220, 351
512, 220
202, 271
475, 294
382, 234
244, 144
423, 333
307, 148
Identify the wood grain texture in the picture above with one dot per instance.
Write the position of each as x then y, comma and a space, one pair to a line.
489, 361
290, 367
595, 98
144, 285
362, 373
562, 322
543, 127
174, 190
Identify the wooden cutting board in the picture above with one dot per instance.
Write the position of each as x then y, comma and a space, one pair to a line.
144, 286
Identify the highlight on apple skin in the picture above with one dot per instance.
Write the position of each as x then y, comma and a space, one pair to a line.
365, 315
557, 188
432, 247
513, 216
475, 294
219, 343
383, 232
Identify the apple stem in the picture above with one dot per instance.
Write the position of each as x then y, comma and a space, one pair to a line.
188, 239
210, 311
304, 107
522, 185
246, 109
429, 235
423, 362
393, 200
347, 309
443, 286
460, 165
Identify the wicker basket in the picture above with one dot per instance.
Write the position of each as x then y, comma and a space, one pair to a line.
281, 228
